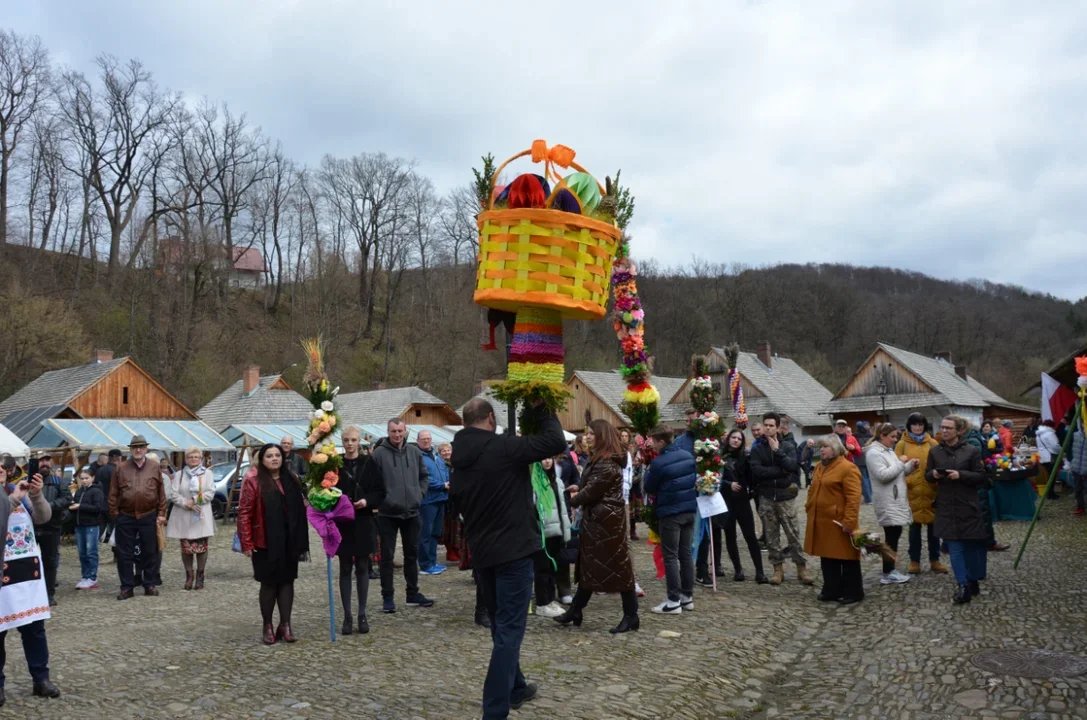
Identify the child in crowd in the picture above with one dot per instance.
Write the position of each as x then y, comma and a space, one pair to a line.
89, 507
556, 531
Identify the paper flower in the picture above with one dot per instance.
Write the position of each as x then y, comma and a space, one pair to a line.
327, 406
330, 480
1081, 366
319, 414
311, 439
319, 458
324, 428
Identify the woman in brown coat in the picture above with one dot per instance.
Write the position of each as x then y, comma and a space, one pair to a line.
603, 561
835, 497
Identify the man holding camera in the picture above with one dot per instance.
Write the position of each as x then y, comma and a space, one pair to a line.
58, 496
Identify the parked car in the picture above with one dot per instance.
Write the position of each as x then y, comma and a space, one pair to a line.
227, 479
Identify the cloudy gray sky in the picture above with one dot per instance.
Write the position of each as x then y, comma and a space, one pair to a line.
944, 137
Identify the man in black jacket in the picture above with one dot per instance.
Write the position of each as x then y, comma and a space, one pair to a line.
492, 489
59, 496
775, 472
102, 478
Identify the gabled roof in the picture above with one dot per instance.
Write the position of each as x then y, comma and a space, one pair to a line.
377, 407
272, 401
787, 387
58, 387
609, 386
939, 375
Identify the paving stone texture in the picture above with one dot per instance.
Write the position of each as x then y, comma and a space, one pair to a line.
750, 650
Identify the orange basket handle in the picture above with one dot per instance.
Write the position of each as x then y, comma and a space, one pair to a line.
556, 155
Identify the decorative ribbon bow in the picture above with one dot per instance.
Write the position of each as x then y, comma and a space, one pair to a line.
559, 154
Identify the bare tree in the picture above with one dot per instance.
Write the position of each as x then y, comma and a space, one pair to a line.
25, 77
363, 192
272, 198
117, 127
458, 224
422, 204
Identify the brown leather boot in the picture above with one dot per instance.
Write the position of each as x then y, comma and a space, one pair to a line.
803, 576
779, 575
914, 569
937, 567
269, 635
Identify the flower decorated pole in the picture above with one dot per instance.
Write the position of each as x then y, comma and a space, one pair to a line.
1081, 420
708, 430
735, 389
326, 503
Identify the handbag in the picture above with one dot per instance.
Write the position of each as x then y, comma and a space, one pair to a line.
160, 532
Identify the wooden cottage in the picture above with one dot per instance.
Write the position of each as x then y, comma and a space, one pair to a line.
413, 405
771, 383
107, 387
892, 383
601, 393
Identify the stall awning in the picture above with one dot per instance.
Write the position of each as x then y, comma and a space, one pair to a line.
10, 444
94, 434
257, 435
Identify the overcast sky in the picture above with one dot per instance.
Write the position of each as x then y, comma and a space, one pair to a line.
944, 137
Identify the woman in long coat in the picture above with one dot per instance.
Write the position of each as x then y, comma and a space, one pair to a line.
191, 491
833, 506
603, 562
360, 481
956, 470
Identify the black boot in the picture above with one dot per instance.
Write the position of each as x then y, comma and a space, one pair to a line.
482, 619
363, 626
962, 595
570, 616
46, 689
740, 577
347, 628
627, 624
975, 589
761, 578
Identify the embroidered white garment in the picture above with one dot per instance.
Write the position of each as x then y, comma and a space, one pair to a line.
23, 598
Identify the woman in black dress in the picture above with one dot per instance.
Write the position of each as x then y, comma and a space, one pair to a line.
361, 482
273, 533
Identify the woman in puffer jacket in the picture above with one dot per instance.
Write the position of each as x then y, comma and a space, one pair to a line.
556, 530
916, 443
890, 495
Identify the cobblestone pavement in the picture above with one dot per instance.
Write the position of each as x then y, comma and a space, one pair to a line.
747, 651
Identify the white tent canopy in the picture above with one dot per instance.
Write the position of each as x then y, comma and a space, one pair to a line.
10, 444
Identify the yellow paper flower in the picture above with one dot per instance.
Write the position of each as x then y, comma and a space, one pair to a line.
319, 458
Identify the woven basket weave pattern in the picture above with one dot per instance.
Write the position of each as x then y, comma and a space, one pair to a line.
545, 258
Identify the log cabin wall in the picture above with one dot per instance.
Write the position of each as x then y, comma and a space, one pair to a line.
573, 416
436, 415
128, 392
900, 381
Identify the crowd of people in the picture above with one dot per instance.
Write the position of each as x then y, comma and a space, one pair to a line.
537, 543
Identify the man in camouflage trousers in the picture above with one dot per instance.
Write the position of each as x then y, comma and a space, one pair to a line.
774, 469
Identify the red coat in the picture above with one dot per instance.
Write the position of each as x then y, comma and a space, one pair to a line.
251, 514
1005, 435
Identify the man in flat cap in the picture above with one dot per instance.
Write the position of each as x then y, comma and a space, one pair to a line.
137, 500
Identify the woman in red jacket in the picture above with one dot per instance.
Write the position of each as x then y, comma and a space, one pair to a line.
273, 534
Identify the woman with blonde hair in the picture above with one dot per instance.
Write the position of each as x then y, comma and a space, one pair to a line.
190, 492
833, 506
